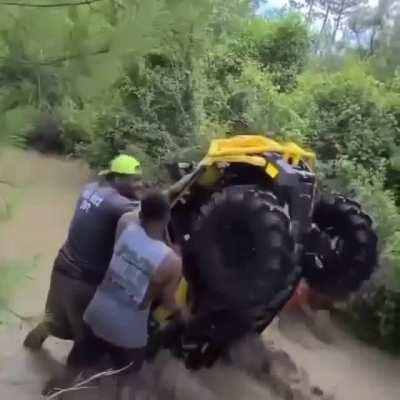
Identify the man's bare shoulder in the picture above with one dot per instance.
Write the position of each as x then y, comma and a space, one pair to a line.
131, 216
125, 220
171, 266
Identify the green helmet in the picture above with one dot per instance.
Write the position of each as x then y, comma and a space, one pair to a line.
124, 165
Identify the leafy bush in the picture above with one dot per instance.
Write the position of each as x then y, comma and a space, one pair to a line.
282, 46
349, 113
374, 316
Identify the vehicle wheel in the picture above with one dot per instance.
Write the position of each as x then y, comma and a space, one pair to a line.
241, 255
341, 252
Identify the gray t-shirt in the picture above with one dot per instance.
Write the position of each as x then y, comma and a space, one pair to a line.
87, 251
118, 313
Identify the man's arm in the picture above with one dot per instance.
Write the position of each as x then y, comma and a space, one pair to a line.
172, 274
173, 191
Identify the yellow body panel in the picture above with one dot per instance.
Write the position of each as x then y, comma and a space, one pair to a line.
292, 150
242, 144
161, 314
246, 148
272, 171
257, 161
210, 175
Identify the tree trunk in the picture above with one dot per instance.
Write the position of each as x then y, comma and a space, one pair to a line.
325, 20
357, 33
338, 20
372, 42
323, 26
310, 11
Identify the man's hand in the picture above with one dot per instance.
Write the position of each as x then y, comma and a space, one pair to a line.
177, 187
182, 315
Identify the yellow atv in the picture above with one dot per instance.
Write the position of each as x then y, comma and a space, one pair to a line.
251, 223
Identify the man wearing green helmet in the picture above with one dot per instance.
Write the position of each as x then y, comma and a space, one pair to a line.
84, 258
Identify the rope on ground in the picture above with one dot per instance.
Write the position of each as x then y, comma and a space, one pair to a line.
82, 385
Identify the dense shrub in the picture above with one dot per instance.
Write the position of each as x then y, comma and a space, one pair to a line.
349, 113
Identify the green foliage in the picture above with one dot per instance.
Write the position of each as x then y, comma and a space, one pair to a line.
282, 47
349, 114
172, 64
355, 129
375, 317
86, 58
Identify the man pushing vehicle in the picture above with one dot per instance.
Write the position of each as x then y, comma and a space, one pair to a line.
82, 261
143, 269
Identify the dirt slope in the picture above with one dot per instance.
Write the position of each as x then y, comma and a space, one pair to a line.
348, 369
43, 200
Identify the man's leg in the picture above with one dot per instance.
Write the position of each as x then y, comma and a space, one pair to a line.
127, 381
75, 308
122, 357
87, 352
37, 336
55, 322
82, 358
84, 353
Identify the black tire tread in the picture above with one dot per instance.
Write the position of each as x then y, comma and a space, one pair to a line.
359, 258
278, 242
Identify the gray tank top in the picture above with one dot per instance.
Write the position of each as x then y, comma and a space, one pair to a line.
117, 312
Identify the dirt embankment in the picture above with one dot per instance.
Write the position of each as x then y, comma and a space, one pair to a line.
47, 191
42, 199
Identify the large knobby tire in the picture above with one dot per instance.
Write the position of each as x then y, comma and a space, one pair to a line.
241, 255
342, 250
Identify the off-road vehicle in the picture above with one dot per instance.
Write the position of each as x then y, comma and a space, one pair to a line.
251, 223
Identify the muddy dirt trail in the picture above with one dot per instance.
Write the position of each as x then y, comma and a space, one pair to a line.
346, 369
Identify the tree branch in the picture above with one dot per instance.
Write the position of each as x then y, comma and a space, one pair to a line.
56, 60
43, 5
